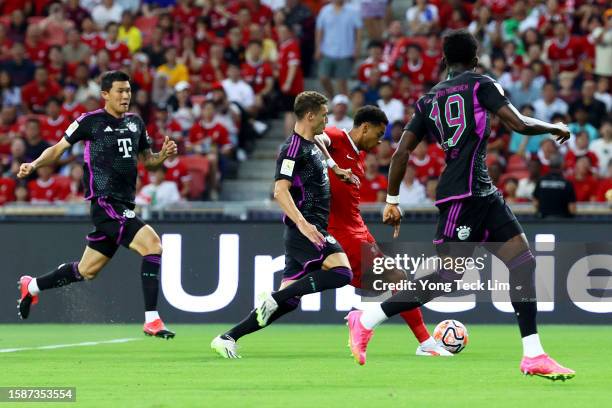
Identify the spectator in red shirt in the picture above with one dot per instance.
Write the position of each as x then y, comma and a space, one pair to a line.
71, 109
425, 166
118, 52
76, 191
259, 74
35, 46
415, 67
290, 75
373, 187
75, 12
566, 51
46, 188
177, 171
163, 126
90, 35
211, 139
585, 185
36, 93
186, 15
54, 124
580, 149
55, 64
375, 59
7, 190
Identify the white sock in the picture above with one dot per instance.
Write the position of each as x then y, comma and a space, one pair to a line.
430, 342
532, 346
33, 287
373, 317
151, 316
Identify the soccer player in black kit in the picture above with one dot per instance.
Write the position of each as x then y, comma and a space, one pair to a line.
114, 141
314, 261
456, 112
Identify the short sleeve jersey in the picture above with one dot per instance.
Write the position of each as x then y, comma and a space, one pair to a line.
301, 162
456, 113
111, 152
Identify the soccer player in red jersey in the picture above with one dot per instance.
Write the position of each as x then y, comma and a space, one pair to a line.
347, 151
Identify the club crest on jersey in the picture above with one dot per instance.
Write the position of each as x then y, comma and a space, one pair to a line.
132, 127
463, 232
125, 147
330, 239
129, 214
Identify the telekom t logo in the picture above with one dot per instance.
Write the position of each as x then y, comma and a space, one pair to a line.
125, 147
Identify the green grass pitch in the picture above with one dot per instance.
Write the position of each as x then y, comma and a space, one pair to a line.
302, 366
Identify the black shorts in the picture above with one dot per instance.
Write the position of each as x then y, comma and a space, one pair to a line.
302, 256
286, 102
115, 223
475, 219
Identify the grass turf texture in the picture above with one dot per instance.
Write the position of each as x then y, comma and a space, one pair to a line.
302, 366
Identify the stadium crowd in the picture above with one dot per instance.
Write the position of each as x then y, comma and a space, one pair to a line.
211, 73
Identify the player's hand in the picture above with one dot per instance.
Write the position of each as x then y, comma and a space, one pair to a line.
562, 132
25, 170
392, 215
346, 175
168, 148
311, 232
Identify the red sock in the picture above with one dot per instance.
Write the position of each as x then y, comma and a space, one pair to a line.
414, 319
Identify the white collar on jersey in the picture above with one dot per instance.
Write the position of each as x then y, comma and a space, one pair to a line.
351, 141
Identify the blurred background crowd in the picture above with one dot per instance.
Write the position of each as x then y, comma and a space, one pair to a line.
214, 76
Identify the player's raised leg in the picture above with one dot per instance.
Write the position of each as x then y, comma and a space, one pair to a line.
88, 267
147, 243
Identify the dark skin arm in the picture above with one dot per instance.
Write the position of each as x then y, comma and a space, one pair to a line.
513, 119
392, 214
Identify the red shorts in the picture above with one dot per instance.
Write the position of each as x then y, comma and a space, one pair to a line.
353, 245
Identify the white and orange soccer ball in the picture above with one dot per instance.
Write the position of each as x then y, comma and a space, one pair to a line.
452, 335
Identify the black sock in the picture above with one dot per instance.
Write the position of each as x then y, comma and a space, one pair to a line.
411, 299
65, 274
149, 272
250, 325
314, 282
523, 292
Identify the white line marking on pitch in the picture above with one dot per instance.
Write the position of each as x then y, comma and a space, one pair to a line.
58, 346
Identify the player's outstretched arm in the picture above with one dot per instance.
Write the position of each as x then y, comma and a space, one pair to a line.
49, 156
285, 201
152, 160
392, 214
513, 119
346, 175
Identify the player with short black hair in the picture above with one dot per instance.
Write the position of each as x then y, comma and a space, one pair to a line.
456, 112
114, 141
314, 261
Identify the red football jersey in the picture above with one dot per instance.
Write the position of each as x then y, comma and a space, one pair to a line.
93, 41
585, 189
73, 111
216, 132
370, 188
363, 72
118, 53
46, 192
344, 212
289, 54
37, 52
53, 130
567, 54
426, 168
7, 190
36, 98
177, 171
604, 188
256, 75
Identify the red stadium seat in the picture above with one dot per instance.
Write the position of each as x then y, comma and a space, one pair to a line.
198, 167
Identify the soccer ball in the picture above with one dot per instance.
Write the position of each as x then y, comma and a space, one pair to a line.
452, 335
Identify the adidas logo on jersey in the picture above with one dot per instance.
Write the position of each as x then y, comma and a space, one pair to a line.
108, 129
463, 232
